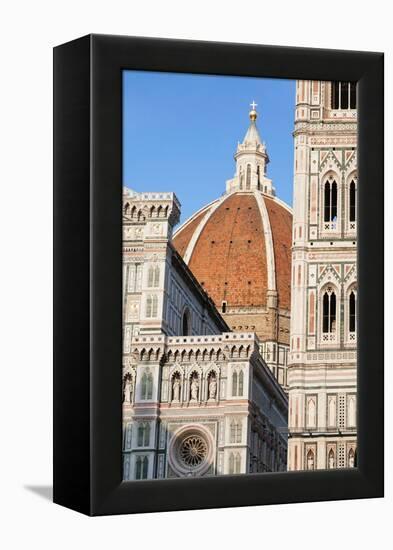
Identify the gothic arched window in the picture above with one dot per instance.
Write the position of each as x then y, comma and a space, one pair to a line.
143, 434
145, 467
236, 431
329, 311
143, 386
147, 386
352, 201
233, 431
155, 306
240, 386
138, 467
141, 467
237, 383
330, 201
126, 208
134, 277
153, 278
352, 311
248, 177
234, 384
258, 177
150, 276
151, 305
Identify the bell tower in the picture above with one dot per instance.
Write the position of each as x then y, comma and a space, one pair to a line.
322, 358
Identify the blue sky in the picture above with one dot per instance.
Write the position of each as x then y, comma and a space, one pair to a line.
180, 132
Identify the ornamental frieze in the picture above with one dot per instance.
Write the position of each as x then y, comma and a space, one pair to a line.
349, 141
155, 245
332, 356
133, 259
326, 126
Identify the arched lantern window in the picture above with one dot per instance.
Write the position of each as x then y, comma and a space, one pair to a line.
248, 178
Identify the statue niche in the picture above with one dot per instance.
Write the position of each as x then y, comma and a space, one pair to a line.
194, 388
212, 386
128, 389
176, 386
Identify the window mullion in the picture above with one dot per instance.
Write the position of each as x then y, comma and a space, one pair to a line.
339, 95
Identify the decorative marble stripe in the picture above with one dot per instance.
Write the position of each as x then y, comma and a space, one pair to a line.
195, 215
267, 230
201, 226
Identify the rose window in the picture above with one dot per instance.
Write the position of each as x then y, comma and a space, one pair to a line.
193, 451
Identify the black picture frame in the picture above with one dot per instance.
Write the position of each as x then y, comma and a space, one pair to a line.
88, 274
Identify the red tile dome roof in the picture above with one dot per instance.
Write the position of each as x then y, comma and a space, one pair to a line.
239, 247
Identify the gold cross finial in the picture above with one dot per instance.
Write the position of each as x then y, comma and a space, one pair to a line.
253, 113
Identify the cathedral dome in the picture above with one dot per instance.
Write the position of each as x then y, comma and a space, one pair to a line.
239, 249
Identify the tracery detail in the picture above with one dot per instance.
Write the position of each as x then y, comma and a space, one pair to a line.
193, 451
